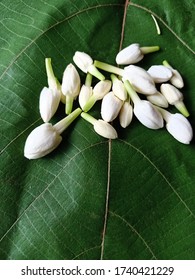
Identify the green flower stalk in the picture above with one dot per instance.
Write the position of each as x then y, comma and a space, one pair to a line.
101, 127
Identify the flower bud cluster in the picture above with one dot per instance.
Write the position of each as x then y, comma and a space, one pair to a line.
127, 92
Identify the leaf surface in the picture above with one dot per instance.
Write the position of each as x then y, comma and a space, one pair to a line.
131, 198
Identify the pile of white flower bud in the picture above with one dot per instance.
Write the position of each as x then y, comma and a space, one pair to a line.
120, 97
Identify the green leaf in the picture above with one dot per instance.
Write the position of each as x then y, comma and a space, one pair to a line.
130, 198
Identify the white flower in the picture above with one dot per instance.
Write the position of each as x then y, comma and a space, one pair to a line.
41, 141
158, 99
174, 97
100, 126
70, 86
85, 63
46, 137
160, 73
126, 114
148, 115
176, 79
48, 103
105, 129
144, 110
141, 81
110, 107
129, 55
84, 95
99, 91
133, 53
71, 81
178, 126
118, 88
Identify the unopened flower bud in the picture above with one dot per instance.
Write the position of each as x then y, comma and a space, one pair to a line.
178, 126
48, 103
158, 99
46, 137
126, 114
41, 141
85, 63
101, 127
99, 91
176, 78
160, 73
84, 95
141, 81
174, 97
133, 53
118, 88
144, 110
111, 106
70, 86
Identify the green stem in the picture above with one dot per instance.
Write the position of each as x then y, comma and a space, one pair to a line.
109, 68
69, 104
113, 78
151, 49
88, 80
182, 108
91, 101
50, 74
165, 114
88, 118
95, 72
132, 93
64, 123
165, 63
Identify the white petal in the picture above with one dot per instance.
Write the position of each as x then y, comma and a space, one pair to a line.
71, 81
158, 99
126, 114
141, 81
101, 89
82, 60
119, 90
84, 95
110, 107
177, 79
105, 129
129, 55
160, 73
148, 115
171, 93
48, 103
41, 141
179, 127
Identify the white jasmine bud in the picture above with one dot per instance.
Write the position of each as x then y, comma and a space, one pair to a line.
174, 97
144, 110
126, 114
133, 53
176, 78
111, 106
101, 127
45, 138
118, 88
178, 126
158, 99
141, 81
85, 63
160, 73
70, 86
99, 91
49, 97
84, 95
48, 103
